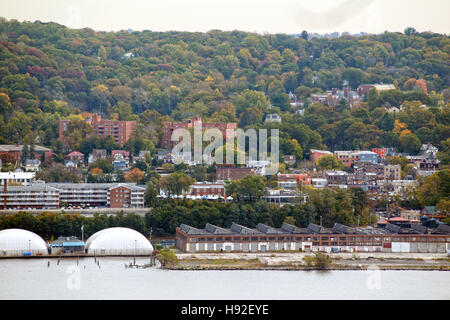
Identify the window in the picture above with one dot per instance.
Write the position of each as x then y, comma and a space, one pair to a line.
219, 239
281, 238
227, 238
246, 239
254, 238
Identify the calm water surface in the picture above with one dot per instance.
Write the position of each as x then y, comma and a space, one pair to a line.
34, 279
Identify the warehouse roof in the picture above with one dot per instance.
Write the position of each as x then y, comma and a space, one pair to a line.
217, 230
268, 229
286, 229
243, 230
191, 230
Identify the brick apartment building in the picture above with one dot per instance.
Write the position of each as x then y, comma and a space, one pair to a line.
120, 130
208, 189
231, 173
170, 126
315, 154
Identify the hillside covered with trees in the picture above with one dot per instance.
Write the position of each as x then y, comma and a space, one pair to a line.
49, 72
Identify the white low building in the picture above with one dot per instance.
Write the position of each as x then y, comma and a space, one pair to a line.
19, 242
118, 242
20, 178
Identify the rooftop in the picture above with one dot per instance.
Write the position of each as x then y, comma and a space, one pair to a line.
19, 147
288, 229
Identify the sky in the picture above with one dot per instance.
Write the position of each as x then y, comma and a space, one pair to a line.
262, 16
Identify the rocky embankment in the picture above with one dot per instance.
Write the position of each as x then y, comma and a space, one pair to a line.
297, 261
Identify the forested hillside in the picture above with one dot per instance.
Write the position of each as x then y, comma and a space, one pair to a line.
49, 72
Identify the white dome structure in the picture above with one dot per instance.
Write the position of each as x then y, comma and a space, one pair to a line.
19, 242
118, 242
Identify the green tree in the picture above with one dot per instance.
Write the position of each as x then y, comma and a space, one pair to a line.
330, 162
176, 183
167, 257
410, 143
249, 188
101, 53
354, 76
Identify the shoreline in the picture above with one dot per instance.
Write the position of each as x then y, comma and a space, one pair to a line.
332, 268
296, 262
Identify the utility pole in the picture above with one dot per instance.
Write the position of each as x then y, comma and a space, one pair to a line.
135, 245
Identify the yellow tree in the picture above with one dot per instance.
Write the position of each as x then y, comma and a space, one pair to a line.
134, 175
96, 172
400, 128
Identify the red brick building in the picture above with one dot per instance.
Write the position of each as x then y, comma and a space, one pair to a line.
120, 197
208, 189
347, 157
13, 152
314, 154
231, 173
170, 126
120, 130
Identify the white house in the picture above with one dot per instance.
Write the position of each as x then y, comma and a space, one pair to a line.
273, 117
24, 178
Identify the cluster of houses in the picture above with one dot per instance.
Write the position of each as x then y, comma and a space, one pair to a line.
333, 97
120, 159
371, 171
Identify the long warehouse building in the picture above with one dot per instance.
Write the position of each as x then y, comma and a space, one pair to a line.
290, 238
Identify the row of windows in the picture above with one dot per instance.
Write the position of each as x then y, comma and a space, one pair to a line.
324, 240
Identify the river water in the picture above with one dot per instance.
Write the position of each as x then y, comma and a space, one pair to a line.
31, 279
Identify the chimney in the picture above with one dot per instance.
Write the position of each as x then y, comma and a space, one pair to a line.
5, 191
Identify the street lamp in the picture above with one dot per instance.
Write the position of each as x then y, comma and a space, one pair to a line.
135, 248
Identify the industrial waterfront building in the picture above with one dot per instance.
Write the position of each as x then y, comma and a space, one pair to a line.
289, 238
